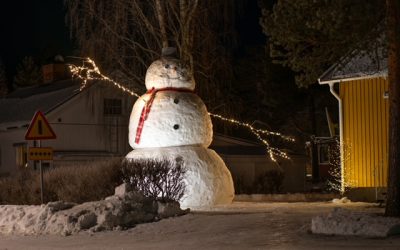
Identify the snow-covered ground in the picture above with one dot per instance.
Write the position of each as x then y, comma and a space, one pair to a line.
242, 225
347, 222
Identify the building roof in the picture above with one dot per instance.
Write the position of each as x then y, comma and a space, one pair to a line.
18, 108
358, 65
240, 150
229, 145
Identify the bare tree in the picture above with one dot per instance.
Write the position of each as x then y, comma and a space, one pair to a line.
127, 35
3, 80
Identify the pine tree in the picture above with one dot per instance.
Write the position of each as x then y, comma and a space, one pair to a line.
28, 73
393, 33
309, 36
3, 80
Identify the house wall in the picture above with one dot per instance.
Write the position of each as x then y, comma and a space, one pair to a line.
365, 127
83, 131
295, 173
81, 125
246, 169
8, 140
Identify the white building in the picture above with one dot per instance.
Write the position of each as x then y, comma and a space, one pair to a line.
89, 124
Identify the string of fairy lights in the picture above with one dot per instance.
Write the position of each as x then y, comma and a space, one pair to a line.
89, 71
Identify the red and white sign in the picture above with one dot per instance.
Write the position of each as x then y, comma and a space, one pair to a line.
39, 129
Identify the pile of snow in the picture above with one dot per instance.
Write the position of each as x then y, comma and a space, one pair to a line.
124, 209
346, 222
341, 200
208, 181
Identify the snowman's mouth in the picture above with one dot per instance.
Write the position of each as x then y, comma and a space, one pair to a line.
175, 78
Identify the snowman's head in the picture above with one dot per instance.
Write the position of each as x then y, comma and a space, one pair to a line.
168, 72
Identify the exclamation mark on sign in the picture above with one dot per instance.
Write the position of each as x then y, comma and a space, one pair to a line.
40, 128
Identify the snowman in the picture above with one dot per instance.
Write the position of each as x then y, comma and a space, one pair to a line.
171, 122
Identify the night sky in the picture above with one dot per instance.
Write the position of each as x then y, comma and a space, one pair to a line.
32, 28
37, 28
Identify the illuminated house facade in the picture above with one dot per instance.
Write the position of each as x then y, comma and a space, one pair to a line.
360, 85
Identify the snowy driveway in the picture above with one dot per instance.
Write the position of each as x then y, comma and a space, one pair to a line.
242, 225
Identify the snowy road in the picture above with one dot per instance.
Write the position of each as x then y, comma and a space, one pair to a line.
238, 226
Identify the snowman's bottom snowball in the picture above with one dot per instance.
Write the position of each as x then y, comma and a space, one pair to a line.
208, 180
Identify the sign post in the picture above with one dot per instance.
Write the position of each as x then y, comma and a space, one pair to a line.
39, 129
41, 178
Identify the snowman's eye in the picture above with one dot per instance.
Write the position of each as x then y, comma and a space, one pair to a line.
166, 66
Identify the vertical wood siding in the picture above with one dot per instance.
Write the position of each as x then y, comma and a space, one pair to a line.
365, 124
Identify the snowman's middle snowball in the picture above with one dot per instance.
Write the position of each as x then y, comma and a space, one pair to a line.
170, 122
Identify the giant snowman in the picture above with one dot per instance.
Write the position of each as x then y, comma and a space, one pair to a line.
171, 122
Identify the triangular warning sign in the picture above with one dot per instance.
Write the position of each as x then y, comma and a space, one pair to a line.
39, 129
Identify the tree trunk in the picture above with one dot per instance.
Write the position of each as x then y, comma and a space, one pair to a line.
393, 35
161, 22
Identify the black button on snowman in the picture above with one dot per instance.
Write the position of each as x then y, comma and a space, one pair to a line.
171, 122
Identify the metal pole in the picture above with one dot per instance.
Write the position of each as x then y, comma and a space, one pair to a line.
341, 136
35, 162
41, 177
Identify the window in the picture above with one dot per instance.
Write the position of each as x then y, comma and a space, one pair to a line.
323, 154
21, 155
112, 106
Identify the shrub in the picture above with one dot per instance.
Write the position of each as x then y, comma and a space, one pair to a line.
86, 182
80, 182
270, 182
157, 179
334, 182
19, 188
240, 186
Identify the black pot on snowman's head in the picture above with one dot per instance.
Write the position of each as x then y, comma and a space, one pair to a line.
169, 52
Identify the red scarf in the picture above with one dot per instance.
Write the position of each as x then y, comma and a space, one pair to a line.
147, 107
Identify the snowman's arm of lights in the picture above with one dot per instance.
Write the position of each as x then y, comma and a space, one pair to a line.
258, 132
90, 71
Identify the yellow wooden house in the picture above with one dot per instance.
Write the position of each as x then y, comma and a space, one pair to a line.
360, 85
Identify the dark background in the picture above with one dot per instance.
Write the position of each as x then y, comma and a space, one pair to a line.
32, 28
37, 28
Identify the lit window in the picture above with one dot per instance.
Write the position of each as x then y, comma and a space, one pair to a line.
112, 106
21, 156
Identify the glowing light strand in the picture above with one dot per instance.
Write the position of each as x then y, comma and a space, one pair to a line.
257, 132
249, 126
90, 71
